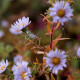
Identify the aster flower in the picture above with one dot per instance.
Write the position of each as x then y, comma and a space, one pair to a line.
15, 30
3, 66
19, 65
78, 53
17, 58
1, 33
55, 60
17, 27
61, 12
21, 71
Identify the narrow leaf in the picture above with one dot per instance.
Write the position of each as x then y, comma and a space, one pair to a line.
48, 29
57, 26
45, 18
61, 39
56, 41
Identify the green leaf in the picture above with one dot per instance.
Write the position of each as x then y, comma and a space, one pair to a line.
9, 48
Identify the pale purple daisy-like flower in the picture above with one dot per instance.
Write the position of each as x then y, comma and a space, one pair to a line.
15, 30
61, 12
78, 52
55, 60
18, 58
3, 66
19, 65
21, 71
1, 33
17, 27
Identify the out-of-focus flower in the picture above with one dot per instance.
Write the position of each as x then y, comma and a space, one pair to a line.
1, 33
19, 65
31, 35
21, 71
61, 12
17, 58
55, 60
78, 53
3, 66
15, 30
17, 27
4, 23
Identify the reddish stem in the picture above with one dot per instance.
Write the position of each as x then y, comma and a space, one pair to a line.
55, 76
51, 47
51, 37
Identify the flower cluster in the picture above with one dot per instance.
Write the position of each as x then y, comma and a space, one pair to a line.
61, 12
56, 60
17, 27
21, 71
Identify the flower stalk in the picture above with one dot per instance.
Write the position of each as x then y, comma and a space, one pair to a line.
51, 36
54, 75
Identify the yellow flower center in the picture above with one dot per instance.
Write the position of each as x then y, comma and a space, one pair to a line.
2, 67
61, 12
18, 25
18, 59
19, 67
56, 60
17, 30
23, 75
23, 23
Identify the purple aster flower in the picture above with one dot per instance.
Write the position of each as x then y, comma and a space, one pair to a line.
17, 27
55, 60
21, 71
61, 12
